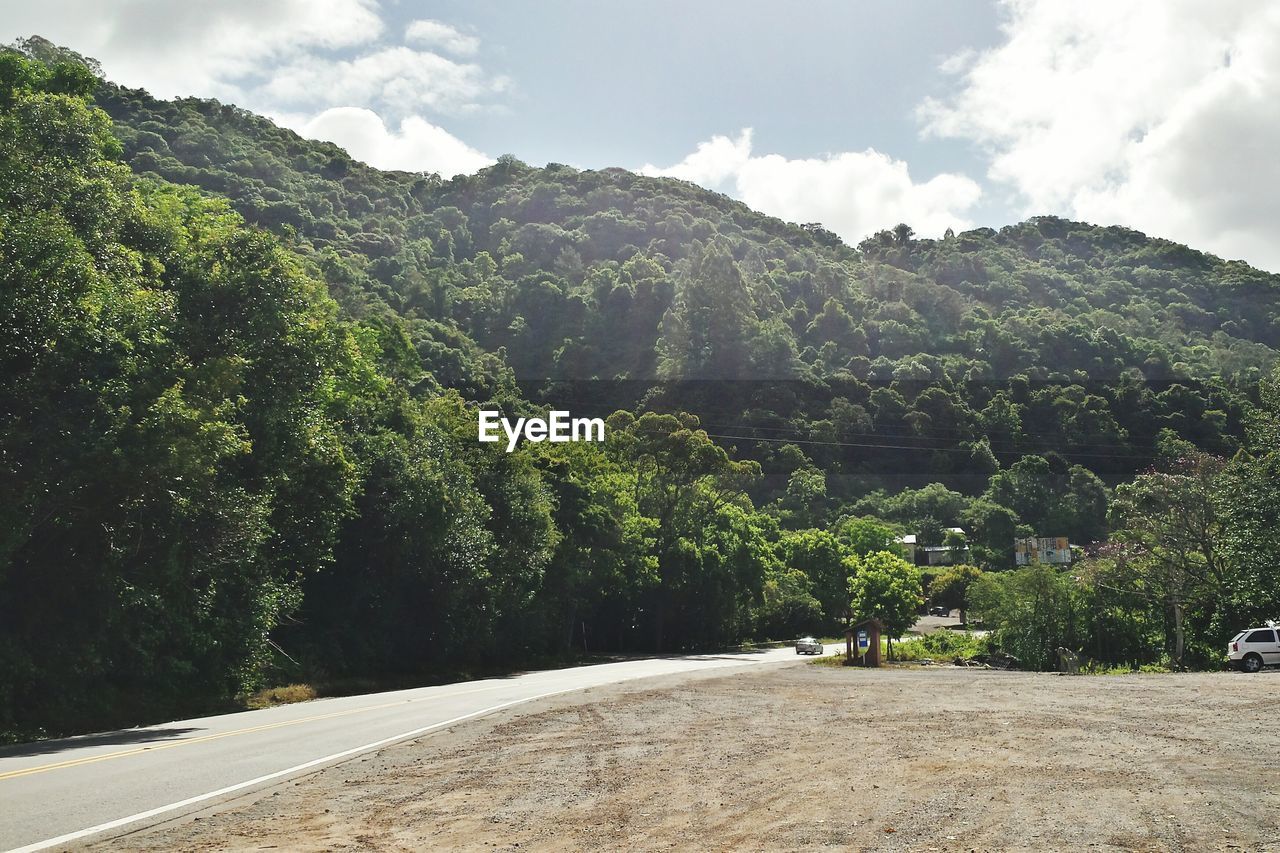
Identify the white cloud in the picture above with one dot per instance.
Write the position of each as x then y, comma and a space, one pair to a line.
174, 49
712, 163
417, 146
399, 79
853, 193
1157, 114
267, 55
323, 67
441, 35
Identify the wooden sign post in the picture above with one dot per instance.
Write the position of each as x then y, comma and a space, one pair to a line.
864, 637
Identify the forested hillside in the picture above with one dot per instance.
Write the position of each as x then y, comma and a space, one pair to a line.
240, 376
588, 286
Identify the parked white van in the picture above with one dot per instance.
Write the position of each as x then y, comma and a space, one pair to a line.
1254, 648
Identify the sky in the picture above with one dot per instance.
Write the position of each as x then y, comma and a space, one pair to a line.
1154, 114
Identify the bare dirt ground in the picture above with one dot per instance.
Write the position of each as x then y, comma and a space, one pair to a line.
805, 757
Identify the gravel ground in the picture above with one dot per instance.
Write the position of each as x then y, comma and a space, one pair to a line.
804, 757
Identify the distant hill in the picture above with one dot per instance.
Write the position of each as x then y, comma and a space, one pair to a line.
1096, 336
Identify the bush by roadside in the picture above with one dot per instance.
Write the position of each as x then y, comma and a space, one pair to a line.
942, 645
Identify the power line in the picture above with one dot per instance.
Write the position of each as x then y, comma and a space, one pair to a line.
997, 446
945, 433
898, 446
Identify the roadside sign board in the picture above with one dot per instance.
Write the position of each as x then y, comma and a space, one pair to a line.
864, 641
1043, 549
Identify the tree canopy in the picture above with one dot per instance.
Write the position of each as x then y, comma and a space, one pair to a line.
240, 372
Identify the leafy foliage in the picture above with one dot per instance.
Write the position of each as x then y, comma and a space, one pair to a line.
886, 587
950, 588
1033, 611
902, 363
239, 374
171, 455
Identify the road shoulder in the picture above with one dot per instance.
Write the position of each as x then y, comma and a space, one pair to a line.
798, 757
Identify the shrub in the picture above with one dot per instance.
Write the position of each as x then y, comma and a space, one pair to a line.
285, 695
942, 645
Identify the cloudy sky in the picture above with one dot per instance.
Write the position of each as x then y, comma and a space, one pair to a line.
1156, 114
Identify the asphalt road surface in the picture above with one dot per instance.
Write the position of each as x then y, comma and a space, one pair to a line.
59, 793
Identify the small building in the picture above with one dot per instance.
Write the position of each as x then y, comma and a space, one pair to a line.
934, 555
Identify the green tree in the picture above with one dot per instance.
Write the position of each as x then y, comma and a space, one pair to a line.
788, 607
820, 556
993, 528
1054, 499
1032, 612
886, 587
683, 481
1170, 519
866, 536
706, 334
172, 461
804, 501
950, 588
600, 556
1247, 503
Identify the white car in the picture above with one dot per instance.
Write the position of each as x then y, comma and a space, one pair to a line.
1254, 648
808, 646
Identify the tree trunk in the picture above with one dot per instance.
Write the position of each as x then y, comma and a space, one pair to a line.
1179, 635
659, 617
567, 632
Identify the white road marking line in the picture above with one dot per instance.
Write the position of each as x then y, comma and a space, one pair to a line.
158, 745
297, 768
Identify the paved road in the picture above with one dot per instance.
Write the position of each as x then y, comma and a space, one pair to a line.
58, 793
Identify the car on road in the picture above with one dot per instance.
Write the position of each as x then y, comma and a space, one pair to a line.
939, 611
1254, 648
808, 646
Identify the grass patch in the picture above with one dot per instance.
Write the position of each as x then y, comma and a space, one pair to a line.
829, 660
1122, 669
286, 695
941, 646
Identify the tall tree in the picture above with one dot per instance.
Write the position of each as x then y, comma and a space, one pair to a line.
1170, 518
820, 555
1247, 504
706, 334
683, 481
884, 586
951, 588
171, 456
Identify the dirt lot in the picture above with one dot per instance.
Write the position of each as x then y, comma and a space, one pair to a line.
804, 757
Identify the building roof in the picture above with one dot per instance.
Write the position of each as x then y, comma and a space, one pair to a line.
912, 539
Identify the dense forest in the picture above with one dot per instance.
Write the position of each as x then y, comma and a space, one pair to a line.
241, 372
